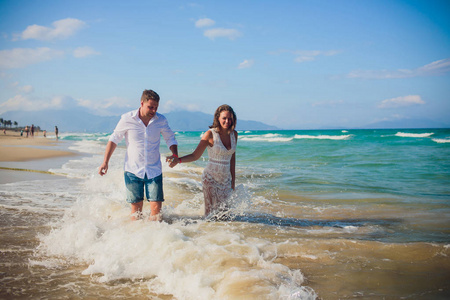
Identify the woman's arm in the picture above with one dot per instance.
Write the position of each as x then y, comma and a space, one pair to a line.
233, 171
233, 166
207, 140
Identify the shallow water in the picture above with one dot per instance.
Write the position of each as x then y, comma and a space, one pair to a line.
333, 220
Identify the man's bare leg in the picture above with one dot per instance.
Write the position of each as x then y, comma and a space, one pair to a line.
136, 210
155, 214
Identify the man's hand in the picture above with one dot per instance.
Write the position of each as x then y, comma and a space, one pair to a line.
172, 160
103, 169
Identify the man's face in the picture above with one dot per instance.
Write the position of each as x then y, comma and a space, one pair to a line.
149, 108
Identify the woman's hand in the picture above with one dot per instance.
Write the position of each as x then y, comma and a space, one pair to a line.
172, 160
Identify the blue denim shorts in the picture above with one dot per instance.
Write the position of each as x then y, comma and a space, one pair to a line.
135, 188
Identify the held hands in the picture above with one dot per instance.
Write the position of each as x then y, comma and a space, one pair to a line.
172, 160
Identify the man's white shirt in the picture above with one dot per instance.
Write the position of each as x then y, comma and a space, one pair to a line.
143, 142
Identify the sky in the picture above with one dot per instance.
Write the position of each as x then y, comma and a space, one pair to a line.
297, 64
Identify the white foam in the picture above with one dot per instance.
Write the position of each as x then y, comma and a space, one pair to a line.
324, 137
414, 135
195, 261
86, 146
441, 141
269, 137
188, 258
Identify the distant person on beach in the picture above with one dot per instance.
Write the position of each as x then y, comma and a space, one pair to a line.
45, 133
26, 130
219, 176
142, 130
56, 131
32, 130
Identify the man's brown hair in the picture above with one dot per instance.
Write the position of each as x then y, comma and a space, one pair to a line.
149, 95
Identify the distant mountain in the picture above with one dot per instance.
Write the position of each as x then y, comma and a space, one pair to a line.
83, 121
407, 123
198, 121
67, 121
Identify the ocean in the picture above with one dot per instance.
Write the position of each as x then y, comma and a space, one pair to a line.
317, 214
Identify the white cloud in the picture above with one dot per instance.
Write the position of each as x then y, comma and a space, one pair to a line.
303, 56
306, 55
61, 29
401, 101
435, 68
204, 23
332, 103
171, 105
22, 57
81, 52
300, 59
27, 103
27, 89
214, 33
18, 102
246, 64
107, 107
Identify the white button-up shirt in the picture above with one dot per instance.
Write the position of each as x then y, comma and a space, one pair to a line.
142, 141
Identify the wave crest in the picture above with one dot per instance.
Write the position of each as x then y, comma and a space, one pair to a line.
441, 141
324, 137
414, 135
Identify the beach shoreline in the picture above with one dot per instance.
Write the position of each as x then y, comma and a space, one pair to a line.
17, 148
23, 158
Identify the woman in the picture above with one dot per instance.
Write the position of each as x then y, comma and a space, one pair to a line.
219, 175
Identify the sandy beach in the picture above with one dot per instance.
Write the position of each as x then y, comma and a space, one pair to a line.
14, 147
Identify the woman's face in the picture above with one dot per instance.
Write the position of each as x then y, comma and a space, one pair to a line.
225, 119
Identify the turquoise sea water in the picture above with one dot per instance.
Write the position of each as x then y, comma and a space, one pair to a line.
318, 214
407, 169
414, 164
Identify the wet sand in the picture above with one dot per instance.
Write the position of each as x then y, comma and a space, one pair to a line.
14, 147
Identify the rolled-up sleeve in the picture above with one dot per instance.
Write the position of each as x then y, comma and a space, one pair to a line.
119, 132
167, 133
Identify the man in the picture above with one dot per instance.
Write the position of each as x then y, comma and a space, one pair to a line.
142, 129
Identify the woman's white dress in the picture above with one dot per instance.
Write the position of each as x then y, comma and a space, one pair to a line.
216, 176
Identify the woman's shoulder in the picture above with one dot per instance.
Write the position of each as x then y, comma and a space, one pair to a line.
208, 134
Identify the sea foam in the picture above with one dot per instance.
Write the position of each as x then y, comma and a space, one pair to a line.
441, 141
414, 135
324, 137
184, 256
270, 137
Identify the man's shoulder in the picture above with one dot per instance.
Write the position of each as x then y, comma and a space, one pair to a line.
160, 117
130, 114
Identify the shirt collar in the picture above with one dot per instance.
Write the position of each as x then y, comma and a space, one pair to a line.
135, 115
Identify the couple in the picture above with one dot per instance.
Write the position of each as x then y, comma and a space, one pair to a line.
142, 129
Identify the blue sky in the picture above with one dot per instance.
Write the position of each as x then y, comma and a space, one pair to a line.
292, 64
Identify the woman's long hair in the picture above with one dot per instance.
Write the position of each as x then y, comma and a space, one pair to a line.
224, 107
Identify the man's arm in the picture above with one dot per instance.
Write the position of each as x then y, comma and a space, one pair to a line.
110, 147
174, 149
